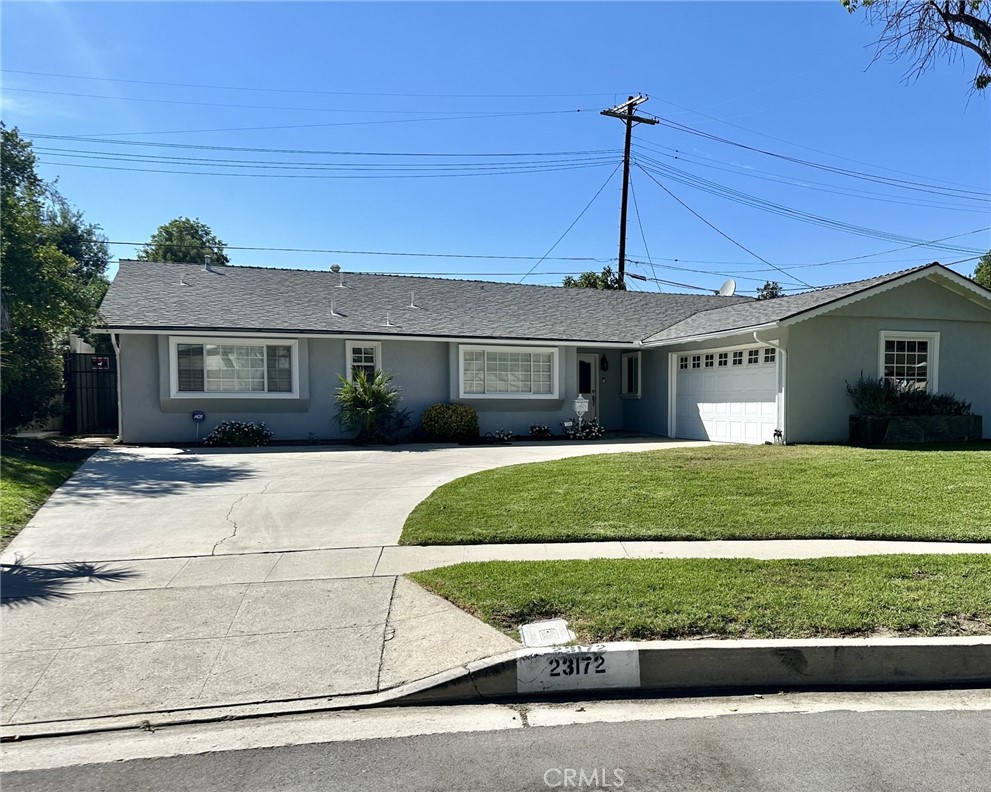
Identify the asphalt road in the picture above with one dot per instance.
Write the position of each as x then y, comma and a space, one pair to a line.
784, 752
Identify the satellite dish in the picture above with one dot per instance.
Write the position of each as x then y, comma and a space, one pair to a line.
728, 289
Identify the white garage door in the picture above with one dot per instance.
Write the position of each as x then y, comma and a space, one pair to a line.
727, 395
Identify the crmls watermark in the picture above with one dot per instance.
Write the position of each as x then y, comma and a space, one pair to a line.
580, 778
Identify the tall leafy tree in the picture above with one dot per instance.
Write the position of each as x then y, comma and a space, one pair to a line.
983, 272
926, 30
184, 240
607, 279
51, 282
770, 291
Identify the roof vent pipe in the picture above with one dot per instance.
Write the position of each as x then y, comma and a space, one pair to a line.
207, 260
412, 301
333, 311
340, 284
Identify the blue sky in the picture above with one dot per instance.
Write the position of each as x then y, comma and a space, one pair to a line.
334, 91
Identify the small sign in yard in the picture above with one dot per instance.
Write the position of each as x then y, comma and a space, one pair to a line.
99, 362
605, 665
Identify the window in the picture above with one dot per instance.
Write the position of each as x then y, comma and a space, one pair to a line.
683, 362
508, 371
631, 375
708, 361
911, 358
724, 358
233, 367
696, 361
363, 356
769, 355
738, 358
753, 357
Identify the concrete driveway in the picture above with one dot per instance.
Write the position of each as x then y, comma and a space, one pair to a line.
167, 580
160, 503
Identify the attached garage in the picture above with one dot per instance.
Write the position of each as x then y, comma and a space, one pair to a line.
727, 395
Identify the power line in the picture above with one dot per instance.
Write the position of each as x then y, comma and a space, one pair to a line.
190, 103
308, 91
573, 222
818, 186
197, 246
636, 209
315, 152
323, 176
746, 199
799, 145
339, 123
908, 185
723, 234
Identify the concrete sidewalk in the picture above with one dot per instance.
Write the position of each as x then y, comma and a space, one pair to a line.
74, 653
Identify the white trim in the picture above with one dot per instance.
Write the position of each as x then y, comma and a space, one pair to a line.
625, 358
673, 394
175, 393
350, 344
781, 362
553, 351
932, 364
593, 359
715, 336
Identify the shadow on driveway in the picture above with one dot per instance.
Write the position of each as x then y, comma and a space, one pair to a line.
21, 584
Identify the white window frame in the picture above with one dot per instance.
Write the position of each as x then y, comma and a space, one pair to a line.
932, 364
175, 393
627, 357
350, 345
553, 351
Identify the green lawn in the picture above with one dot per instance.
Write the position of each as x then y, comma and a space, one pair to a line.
30, 470
625, 599
719, 492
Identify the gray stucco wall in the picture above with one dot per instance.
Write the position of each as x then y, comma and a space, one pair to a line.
149, 414
827, 351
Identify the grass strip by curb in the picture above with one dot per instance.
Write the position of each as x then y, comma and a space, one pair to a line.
30, 471
648, 599
718, 492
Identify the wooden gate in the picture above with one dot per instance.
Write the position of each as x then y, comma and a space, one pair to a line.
90, 394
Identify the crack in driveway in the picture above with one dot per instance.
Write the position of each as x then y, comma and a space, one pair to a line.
233, 522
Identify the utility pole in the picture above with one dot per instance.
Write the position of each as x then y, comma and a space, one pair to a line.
625, 112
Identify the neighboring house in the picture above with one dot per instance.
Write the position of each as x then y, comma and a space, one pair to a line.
268, 345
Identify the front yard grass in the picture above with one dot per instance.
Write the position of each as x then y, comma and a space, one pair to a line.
626, 599
719, 492
30, 471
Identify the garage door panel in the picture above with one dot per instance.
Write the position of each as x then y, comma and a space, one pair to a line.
727, 403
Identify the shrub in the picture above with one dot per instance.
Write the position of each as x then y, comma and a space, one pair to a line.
584, 430
239, 434
540, 432
884, 397
450, 423
369, 406
504, 435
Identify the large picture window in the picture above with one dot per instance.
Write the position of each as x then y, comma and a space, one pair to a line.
233, 367
510, 372
911, 358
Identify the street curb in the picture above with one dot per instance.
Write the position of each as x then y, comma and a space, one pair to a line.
709, 665
703, 666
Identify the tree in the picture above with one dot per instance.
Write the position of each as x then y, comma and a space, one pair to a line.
982, 274
770, 291
184, 240
51, 267
924, 30
606, 279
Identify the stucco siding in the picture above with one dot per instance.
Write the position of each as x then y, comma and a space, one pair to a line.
826, 352
649, 413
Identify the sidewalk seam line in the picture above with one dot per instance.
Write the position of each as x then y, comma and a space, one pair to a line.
385, 632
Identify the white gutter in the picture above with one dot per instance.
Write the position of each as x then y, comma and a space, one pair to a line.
782, 372
120, 400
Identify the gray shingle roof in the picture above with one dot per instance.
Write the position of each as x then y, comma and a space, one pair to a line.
171, 296
760, 312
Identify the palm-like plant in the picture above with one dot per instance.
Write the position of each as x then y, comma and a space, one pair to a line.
365, 403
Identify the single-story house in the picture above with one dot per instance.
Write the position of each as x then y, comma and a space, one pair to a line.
257, 344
